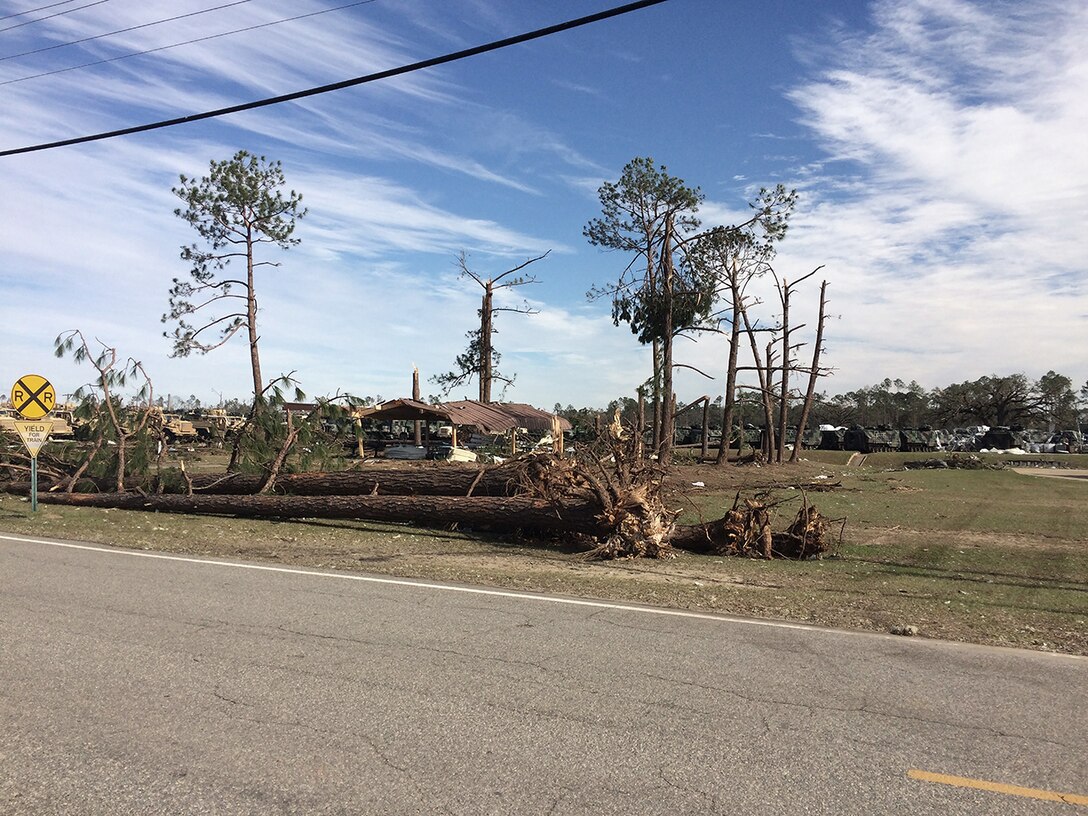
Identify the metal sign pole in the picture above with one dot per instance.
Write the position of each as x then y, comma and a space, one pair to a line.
33, 484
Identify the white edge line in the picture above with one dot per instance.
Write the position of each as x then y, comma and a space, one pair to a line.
495, 593
371, 579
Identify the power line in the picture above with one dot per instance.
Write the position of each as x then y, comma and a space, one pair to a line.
51, 16
35, 10
347, 83
186, 42
123, 30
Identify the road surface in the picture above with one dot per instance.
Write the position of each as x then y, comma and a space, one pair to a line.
139, 683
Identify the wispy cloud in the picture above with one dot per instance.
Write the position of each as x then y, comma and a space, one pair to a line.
962, 125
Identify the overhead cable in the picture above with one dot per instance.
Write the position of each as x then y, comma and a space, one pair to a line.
123, 30
347, 83
51, 16
186, 42
35, 10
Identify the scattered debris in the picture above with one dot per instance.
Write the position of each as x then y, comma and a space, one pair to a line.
971, 462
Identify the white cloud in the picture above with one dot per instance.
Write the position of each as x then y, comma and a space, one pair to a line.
953, 253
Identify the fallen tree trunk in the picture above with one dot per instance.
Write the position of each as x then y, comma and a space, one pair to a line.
807, 537
504, 514
439, 481
444, 481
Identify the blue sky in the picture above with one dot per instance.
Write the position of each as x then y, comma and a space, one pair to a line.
937, 145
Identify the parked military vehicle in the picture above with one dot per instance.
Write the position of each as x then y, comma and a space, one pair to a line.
178, 429
1001, 437
833, 439
64, 424
751, 436
809, 440
693, 435
1068, 442
8, 417
918, 440
871, 440
216, 425
174, 427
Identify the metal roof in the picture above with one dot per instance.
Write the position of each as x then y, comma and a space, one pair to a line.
533, 419
486, 417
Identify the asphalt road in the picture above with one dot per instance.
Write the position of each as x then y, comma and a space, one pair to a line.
139, 684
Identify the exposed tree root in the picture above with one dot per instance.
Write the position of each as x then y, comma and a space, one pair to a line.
745, 530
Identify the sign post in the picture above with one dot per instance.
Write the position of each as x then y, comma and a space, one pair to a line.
34, 435
33, 396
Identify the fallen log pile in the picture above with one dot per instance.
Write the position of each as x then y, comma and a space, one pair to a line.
614, 502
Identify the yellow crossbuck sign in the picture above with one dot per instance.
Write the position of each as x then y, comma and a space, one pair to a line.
33, 396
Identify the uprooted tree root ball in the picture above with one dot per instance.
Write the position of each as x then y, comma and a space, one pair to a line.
627, 488
746, 531
807, 537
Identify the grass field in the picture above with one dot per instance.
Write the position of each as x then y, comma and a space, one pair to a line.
988, 556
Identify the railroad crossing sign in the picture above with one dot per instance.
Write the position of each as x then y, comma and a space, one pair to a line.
33, 396
34, 434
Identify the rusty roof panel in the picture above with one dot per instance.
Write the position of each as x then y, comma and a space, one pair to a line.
488, 418
532, 418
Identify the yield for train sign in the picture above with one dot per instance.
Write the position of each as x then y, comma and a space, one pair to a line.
33, 396
34, 434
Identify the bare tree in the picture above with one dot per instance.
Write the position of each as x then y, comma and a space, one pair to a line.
481, 359
785, 291
732, 257
814, 373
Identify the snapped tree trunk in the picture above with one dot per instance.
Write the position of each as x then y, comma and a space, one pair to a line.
814, 374
486, 313
251, 317
731, 373
784, 388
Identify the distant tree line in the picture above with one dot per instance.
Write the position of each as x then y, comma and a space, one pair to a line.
1049, 403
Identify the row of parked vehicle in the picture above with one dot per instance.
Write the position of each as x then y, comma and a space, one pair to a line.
64, 423
1026, 440
206, 427
913, 440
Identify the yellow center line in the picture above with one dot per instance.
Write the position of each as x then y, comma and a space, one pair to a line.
998, 787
